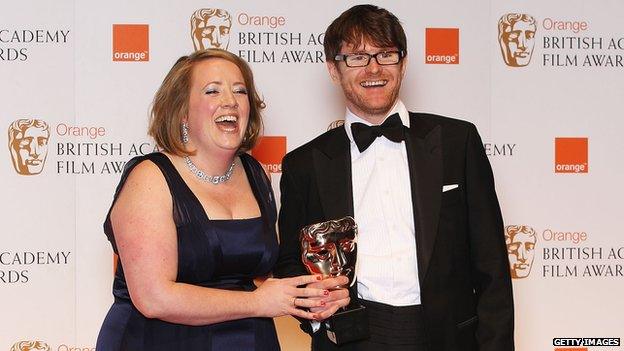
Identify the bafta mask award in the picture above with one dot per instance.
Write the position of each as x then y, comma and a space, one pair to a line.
330, 248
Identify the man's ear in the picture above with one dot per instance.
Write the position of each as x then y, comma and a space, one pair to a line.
332, 68
403, 66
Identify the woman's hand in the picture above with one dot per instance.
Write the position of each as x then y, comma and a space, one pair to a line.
337, 298
278, 297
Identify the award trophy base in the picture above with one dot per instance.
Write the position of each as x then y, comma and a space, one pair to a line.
350, 324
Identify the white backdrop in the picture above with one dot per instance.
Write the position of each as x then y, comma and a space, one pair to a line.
56, 64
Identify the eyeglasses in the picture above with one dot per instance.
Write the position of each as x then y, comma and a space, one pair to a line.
383, 58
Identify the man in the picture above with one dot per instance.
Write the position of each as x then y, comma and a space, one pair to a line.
432, 268
520, 240
516, 37
28, 143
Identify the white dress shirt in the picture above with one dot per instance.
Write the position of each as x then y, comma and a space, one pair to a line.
387, 269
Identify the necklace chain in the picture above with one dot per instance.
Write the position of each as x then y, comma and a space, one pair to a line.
217, 179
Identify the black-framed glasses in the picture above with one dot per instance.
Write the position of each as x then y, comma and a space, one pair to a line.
383, 58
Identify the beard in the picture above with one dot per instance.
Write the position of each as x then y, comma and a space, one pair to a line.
359, 101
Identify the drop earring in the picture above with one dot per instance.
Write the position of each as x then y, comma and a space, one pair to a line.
185, 134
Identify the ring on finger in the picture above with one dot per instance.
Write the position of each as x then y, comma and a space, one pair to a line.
295, 302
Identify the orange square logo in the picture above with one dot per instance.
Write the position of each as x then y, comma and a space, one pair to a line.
130, 42
442, 46
571, 155
270, 151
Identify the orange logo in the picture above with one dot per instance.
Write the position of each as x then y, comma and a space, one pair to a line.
335, 124
270, 151
30, 346
210, 28
28, 144
130, 42
442, 46
571, 155
516, 37
520, 241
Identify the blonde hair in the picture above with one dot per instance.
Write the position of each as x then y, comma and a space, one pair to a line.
172, 98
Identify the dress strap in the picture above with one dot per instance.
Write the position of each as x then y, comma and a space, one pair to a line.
263, 192
261, 186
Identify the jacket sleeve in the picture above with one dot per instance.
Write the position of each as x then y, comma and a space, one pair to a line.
490, 265
291, 219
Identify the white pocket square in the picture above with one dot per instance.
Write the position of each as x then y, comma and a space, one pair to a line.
448, 187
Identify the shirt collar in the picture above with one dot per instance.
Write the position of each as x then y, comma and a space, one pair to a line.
351, 118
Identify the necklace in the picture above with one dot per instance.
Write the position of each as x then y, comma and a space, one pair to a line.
206, 178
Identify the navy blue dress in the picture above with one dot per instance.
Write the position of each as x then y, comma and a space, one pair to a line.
225, 254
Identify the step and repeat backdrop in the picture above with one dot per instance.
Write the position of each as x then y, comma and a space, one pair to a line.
542, 80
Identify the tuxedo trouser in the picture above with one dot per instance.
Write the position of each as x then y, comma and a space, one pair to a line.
392, 328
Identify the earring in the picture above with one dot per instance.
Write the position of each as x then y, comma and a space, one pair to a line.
185, 134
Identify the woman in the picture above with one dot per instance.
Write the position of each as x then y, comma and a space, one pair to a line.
194, 225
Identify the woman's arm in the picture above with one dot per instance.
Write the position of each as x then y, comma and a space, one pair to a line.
146, 239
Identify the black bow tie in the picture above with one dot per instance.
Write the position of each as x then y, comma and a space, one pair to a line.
364, 135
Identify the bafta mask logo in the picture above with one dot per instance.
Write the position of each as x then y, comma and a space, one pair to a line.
520, 240
210, 28
28, 144
330, 248
335, 124
516, 37
30, 346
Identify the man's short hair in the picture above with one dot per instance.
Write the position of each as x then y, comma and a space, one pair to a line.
22, 125
204, 14
364, 23
512, 230
30, 346
509, 19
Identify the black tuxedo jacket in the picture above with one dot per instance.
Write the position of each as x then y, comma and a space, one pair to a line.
462, 259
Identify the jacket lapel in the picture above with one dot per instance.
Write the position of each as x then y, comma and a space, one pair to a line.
424, 154
332, 165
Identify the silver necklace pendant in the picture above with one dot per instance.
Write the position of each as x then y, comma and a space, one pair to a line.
206, 178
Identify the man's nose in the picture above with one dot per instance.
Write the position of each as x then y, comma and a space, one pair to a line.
522, 254
373, 66
340, 258
521, 42
216, 38
34, 149
334, 256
